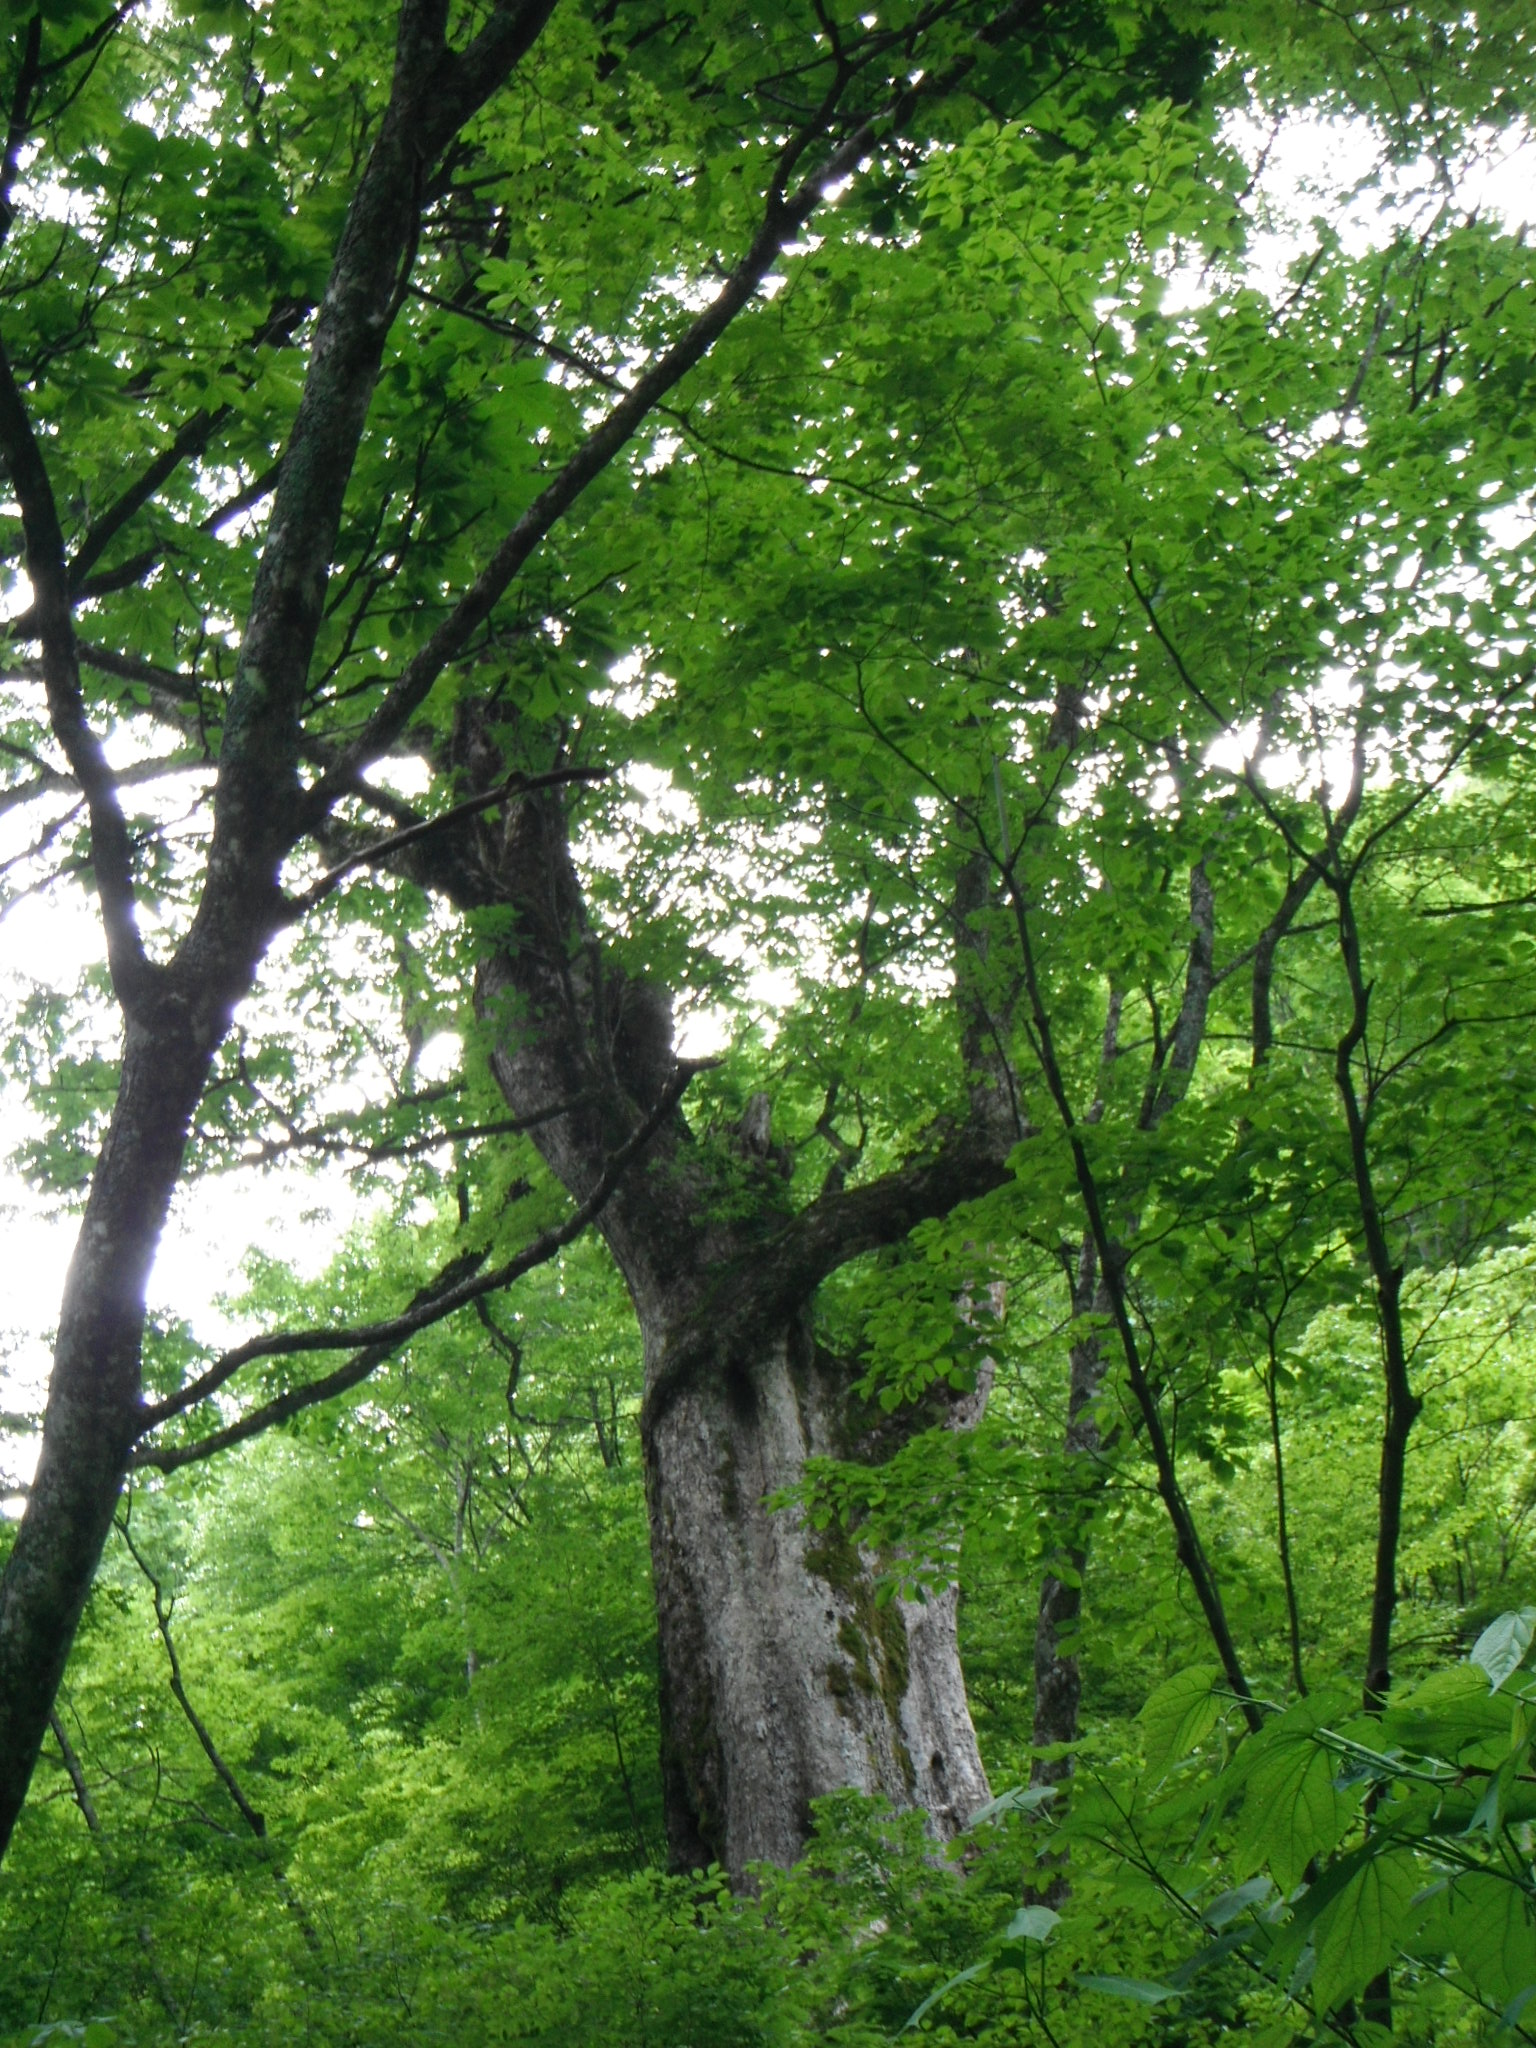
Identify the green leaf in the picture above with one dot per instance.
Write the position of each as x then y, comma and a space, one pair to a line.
1230, 1904
1136, 1988
1500, 1649
1032, 1923
1493, 1931
1180, 1714
1293, 1810
960, 1977
1024, 1799
1453, 1715
1363, 1929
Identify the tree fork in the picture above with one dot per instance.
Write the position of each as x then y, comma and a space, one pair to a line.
783, 1675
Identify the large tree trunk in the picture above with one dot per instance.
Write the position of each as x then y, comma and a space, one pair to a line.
783, 1677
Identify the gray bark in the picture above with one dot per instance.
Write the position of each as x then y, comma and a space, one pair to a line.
176, 1013
782, 1677
93, 1408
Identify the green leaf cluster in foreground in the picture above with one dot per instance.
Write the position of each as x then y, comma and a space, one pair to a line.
1355, 1842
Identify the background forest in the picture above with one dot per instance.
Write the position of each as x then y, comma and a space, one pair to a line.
845, 703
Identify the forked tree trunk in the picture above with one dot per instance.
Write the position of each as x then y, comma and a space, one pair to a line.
783, 1677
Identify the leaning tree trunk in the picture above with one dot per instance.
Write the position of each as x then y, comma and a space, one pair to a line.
94, 1406
783, 1677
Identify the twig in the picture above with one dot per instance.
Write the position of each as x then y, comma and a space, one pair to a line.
431, 1305
255, 1821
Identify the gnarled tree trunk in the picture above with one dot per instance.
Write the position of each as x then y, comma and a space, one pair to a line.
782, 1676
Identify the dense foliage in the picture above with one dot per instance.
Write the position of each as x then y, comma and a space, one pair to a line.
1051, 623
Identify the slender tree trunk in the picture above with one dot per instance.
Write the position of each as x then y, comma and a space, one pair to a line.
1058, 1673
1058, 1679
1401, 1403
176, 1013
92, 1415
1282, 1520
1173, 1064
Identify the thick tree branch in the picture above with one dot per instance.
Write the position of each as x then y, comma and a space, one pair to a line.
27, 77
516, 784
92, 41
466, 80
1297, 891
75, 1771
283, 1407
258, 810
191, 440
782, 220
111, 852
839, 1225
1188, 1033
